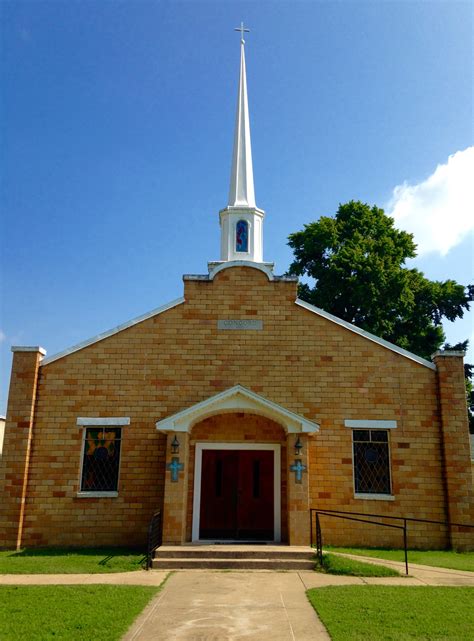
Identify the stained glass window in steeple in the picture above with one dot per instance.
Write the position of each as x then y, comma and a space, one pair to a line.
100, 466
242, 236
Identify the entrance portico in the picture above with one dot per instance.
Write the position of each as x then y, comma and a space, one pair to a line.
237, 492
231, 478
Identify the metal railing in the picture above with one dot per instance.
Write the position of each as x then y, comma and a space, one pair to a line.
368, 518
154, 537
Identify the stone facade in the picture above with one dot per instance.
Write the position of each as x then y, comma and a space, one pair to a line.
300, 360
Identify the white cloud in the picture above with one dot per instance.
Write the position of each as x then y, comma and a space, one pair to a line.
3, 336
439, 211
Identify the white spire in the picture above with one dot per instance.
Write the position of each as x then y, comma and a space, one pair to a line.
242, 193
241, 221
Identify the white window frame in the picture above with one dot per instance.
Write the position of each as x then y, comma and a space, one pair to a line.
372, 425
84, 423
208, 445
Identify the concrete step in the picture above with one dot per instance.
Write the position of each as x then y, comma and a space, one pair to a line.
231, 564
238, 557
263, 552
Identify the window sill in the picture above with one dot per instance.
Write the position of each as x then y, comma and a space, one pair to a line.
375, 497
96, 495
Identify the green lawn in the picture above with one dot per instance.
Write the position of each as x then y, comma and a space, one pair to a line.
386, 613
70, 561
70, 613
333, 564
437, 558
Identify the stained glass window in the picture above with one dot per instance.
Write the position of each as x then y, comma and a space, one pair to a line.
100, 466
371, 462
242, 236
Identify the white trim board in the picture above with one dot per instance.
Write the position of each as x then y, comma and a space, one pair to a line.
374, 497
85, 421
207, 445
218, 266
367, 335
236, 399
370, 424
28, 348
111, 332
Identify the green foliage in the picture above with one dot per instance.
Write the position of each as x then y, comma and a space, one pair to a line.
357, 260
395, 613
333, 564
70, 560
436, 558
70, 613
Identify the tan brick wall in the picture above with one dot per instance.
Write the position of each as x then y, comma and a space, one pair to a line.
176, 494
456, 446
169, 362
15, 462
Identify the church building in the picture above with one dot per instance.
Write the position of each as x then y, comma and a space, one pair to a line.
234, 410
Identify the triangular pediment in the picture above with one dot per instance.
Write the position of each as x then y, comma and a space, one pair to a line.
236, 399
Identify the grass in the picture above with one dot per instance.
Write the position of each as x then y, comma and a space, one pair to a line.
70, 613
70, 561
386, 613
436, 558
333, 564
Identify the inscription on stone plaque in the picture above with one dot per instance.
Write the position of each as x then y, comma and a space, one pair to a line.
245, 323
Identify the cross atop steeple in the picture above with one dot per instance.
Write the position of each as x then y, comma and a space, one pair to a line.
242, 30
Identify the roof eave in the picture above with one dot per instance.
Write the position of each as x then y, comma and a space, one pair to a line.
111, 332
364, 334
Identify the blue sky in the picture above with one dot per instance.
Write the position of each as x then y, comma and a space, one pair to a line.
117, 138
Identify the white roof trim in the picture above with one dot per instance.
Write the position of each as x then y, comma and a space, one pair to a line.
370, 424
111, 332
110, 420
448, 352
236, 399
216, 267
368, 335
28, 348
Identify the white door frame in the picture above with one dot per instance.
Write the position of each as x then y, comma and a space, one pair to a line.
208, 445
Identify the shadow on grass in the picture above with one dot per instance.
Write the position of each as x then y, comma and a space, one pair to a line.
108, 552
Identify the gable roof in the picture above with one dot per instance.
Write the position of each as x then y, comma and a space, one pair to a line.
111, 332
299, 302
236, 399
364, 334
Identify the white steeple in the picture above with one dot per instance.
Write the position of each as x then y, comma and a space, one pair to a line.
241, 221
241, 192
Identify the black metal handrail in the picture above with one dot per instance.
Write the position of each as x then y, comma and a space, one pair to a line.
355, 516
154, 537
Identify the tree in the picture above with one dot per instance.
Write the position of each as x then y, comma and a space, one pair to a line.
357, 260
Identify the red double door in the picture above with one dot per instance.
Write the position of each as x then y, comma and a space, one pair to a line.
237, 495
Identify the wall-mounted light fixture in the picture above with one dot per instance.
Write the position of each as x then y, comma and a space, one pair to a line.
175, 445
298, 447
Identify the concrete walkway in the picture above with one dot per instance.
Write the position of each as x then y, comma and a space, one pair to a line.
155, 577
207, 605
229, 606
422, 574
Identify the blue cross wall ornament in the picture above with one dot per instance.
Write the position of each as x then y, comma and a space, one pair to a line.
175, 467
298, 468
